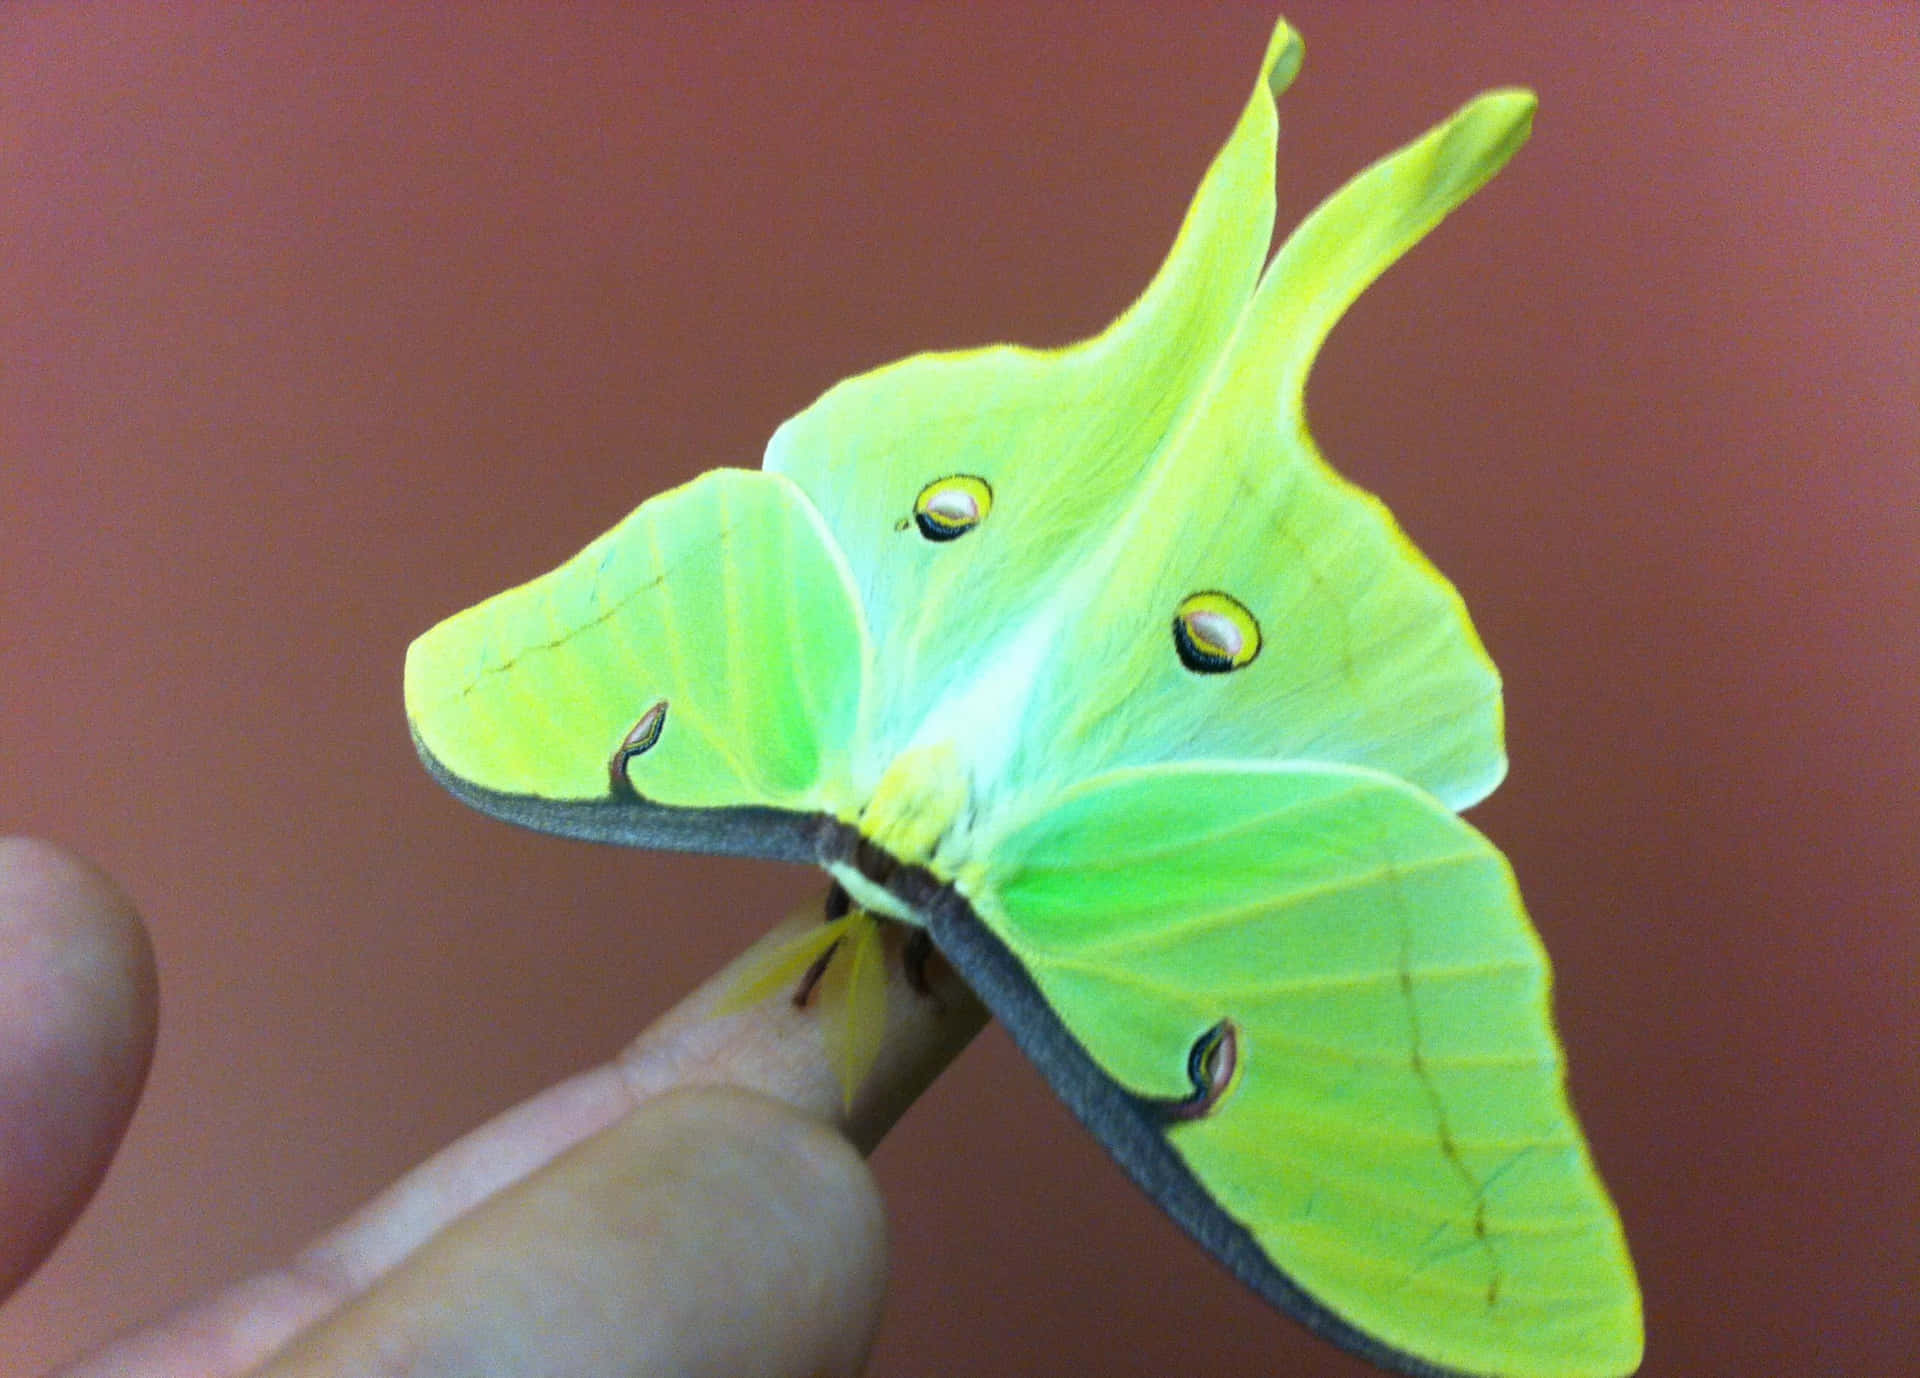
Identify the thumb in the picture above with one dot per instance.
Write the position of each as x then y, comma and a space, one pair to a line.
77, 1013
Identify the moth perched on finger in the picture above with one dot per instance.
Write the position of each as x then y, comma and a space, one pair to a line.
1085, 664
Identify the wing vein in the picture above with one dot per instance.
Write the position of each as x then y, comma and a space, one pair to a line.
1210, 920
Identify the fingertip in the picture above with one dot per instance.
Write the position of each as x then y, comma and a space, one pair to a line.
78, 1010
86, 944
785, 1050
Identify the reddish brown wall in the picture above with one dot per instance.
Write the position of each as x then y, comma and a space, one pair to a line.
318, 324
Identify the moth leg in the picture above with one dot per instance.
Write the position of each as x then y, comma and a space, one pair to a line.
837, 906
811, 981
913, 960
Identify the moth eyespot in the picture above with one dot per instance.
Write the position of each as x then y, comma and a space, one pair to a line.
1212, 1063
1213, 1059
1214, 633
950, 507
641, 738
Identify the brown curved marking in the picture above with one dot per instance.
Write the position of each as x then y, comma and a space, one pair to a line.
1210, 1067
640, 739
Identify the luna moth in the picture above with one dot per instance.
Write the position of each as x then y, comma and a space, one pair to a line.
1085, 664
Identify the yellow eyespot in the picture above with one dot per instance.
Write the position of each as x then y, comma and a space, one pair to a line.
1214, 633
950, 507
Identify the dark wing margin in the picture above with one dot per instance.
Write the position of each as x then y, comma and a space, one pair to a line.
754, 830
1131, 1128
707, 653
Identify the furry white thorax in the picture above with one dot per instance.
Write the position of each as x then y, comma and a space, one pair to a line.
944, 796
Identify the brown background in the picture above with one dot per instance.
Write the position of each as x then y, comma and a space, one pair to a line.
316, 325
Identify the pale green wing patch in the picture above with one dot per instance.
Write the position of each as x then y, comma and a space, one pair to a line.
1395, 1135
724, 600
1367, 656
1361, 230
1058, 437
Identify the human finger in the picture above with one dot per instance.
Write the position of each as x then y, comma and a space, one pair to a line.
773, 1048
711, 1232
78, 1007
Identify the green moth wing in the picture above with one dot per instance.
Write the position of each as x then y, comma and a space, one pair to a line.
1364, 653
1086, 661
1058, 435
1384, 1144
710, 643
1167, 456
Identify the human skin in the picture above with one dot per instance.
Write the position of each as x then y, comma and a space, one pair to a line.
697, 1205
